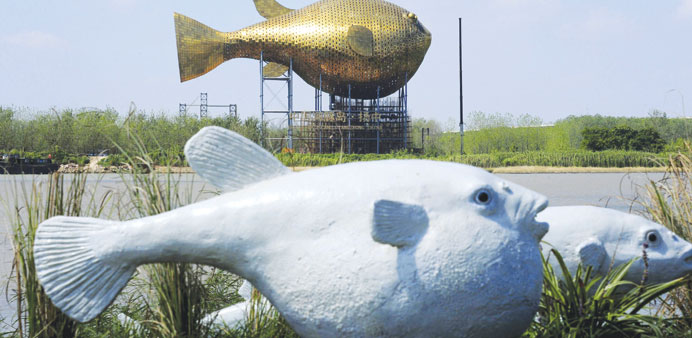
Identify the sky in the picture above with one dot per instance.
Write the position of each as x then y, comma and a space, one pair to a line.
547, 58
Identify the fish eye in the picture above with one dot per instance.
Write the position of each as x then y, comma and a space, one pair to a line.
483, 197
412, 16
652, 237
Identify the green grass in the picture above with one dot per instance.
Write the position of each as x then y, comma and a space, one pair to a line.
37, 317
607, 159
587, 305
669, 202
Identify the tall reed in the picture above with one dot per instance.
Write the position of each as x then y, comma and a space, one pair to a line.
586, 305
36, 315
669, 202
177, 302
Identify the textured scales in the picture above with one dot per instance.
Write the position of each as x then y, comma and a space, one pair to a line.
368, 44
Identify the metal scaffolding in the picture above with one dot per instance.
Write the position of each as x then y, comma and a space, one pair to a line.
286, 77
350, 125
204, 107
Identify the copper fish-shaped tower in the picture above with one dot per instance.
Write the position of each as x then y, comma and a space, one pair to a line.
367, 44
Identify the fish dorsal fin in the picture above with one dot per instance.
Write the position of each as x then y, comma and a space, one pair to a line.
274, 69
230, 161
398, 224
361, 40
270, 8
591, 252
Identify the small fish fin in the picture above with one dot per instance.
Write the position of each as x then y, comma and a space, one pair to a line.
245, 290
74, 279
270, 8
200, 48
230, 161
591, 252
273, 69
361, 40
398, 224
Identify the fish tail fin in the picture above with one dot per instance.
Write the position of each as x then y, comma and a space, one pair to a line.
200, 47
74, 278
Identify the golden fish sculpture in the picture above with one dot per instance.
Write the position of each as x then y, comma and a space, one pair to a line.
367, 44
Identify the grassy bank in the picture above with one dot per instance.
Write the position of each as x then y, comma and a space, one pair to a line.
583, 159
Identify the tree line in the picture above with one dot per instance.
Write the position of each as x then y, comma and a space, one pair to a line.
71, 132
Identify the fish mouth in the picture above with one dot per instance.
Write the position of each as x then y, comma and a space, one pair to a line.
688, 258
538, 229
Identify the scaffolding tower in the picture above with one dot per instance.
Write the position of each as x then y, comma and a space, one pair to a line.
380, 125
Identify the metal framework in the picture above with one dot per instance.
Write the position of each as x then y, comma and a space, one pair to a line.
204, 107
264, 81
351, 125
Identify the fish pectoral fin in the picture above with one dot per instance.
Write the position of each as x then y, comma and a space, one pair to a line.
274, 69
230, 161
361, 40
592, 252
270, 8
398, 224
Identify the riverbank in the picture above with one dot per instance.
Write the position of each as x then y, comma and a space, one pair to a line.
93, 168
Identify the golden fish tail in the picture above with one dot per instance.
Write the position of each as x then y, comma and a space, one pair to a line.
200, 47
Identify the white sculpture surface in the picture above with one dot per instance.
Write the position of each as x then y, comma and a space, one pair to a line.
385, 248
604, 238
236, 314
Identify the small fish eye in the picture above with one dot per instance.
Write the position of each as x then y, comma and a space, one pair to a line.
652, 237
483, 196
412, 16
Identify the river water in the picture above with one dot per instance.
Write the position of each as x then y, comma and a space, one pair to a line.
612, 190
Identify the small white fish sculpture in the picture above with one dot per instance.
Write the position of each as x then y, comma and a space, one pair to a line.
384, 248
236, 314
604, 238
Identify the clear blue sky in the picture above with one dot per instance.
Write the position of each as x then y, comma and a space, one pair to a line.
548, 58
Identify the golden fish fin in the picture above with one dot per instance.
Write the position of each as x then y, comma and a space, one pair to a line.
270, 8
273, 69
200, 48
361, 40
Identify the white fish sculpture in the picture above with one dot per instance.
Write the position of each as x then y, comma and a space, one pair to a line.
384, 248
236, 314
605, 238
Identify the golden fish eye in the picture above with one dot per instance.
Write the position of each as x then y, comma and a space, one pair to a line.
412, 16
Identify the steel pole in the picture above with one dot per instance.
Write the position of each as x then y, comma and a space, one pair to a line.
461, 93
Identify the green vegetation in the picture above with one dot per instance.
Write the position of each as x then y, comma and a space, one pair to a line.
587, 305
67, 135
580, 158
491, 140
623, 138
669, 202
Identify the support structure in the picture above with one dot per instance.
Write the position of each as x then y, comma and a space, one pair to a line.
350, 125
461, 93
204, 107
265, 81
